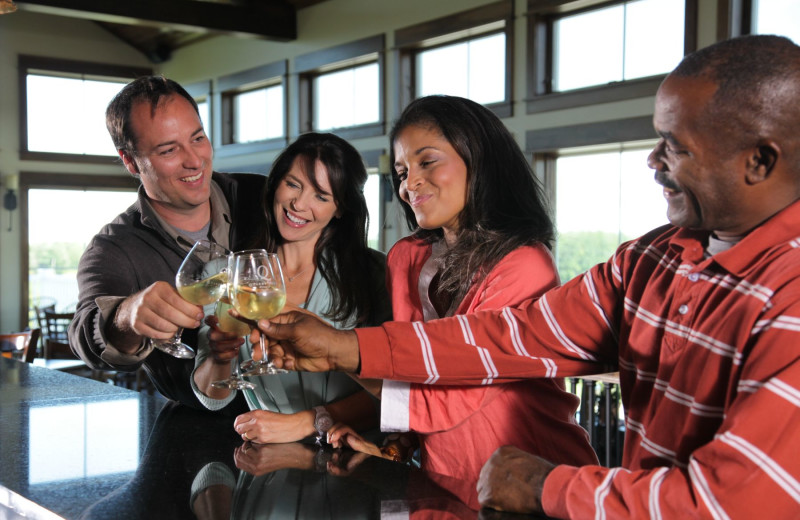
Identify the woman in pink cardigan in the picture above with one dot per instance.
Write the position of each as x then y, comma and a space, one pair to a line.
481, 240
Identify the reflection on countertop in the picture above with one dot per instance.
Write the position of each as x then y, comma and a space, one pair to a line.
75, 448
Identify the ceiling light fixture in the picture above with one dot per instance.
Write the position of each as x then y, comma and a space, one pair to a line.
7, 6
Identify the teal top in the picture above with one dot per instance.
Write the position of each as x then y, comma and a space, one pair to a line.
298, 391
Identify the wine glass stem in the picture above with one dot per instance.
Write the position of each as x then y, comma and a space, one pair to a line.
263, 348
235, 372
176, 339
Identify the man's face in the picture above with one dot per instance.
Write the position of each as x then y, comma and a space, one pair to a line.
704, 188
173, 155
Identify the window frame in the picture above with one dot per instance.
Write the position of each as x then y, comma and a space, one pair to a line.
310, 66
202, 90
540, 96
228, 87
410, 41
40, 180
28, 64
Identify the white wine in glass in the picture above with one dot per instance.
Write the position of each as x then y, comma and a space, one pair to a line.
259, 293
201, 279
231, 325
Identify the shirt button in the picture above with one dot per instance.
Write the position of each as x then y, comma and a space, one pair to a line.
694, 277
683, 309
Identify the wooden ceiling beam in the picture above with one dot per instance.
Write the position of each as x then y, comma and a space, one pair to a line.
273, 20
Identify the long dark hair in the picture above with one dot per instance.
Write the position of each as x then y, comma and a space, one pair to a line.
341, 253
505, 206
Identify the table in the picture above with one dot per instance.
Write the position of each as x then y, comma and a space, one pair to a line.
71, 447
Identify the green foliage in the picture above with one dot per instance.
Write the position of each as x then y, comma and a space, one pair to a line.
61, 256
578, 251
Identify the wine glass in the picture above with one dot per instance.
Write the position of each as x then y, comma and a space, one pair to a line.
201, 279
259, 293
228, 323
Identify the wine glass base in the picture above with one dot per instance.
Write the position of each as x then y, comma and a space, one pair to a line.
233, 384
260, 369
178, 350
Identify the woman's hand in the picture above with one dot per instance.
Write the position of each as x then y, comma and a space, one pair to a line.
224, 346
262, 459
265, 427
342, 436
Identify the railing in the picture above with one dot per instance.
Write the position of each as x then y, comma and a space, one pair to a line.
600, 414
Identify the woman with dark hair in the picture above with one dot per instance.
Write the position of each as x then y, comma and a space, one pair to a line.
315, 219
481, 240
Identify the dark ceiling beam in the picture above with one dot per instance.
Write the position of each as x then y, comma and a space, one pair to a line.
273, 20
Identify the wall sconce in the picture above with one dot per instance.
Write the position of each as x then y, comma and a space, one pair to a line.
10, 198
7, 6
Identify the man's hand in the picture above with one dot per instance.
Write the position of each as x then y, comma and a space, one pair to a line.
512, 480
157, 312
300, 341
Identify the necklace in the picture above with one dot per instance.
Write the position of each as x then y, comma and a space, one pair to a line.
291, 278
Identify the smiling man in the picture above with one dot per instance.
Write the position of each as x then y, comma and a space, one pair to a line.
700, 317
126, 276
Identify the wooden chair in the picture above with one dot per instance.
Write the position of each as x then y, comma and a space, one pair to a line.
23, 344
39, 308
56, 325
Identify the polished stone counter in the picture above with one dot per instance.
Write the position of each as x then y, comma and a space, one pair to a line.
76, 448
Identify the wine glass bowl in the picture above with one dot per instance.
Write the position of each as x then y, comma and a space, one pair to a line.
259, 292
201, 279
231, 325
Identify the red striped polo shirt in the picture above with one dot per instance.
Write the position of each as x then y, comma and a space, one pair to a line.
708, 351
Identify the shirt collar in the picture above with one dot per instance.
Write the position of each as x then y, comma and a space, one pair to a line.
220, 218
779, 229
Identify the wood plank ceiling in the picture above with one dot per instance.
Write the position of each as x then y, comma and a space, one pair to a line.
157, 27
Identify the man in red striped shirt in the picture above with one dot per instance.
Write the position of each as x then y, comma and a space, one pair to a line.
701, 317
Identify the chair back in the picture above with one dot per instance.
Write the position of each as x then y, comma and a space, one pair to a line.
23, 343
56, 325
43, 304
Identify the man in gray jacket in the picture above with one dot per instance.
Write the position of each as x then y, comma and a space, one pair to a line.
126, 275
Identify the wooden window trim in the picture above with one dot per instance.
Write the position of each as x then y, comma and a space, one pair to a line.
311, 65
27, 63
37, 180
540, 96
409, 41
228, 87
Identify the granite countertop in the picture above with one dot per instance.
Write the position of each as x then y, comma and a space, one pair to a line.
75, 448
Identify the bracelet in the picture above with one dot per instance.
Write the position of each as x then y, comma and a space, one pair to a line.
322, 423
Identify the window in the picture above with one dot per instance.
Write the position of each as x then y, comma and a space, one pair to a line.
603, 199
201, 92
254, 108
341, 89
777, 17
346, 97
622, 46
467, 55
257, 114
605, 52
62, 108
53, 246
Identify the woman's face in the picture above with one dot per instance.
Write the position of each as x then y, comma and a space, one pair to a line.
433, 178
301, 211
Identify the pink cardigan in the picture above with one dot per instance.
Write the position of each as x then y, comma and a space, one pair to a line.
461, 426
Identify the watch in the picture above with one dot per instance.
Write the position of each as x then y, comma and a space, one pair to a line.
322, 422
